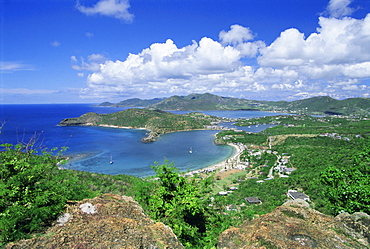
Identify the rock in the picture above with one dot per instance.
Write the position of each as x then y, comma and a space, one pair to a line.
107, 221
296, 225
357, 222
152, 137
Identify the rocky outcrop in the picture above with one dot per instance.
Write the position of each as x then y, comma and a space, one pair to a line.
107, 221
359, 224
113, 221
152, 137
296, 225
87, 119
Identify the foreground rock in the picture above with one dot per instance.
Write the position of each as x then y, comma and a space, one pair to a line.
108, 221
295, 225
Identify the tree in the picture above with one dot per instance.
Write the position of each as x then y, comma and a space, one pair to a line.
349, 187
176, 202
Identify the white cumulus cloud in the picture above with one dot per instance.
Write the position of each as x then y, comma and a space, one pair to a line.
334, 58
163, 67
237, 34
337, 41
339, 8
112, 8
339, 49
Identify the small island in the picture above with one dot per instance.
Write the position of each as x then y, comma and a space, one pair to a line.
157, 122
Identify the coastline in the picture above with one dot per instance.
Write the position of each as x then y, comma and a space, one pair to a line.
121, 127
226, 164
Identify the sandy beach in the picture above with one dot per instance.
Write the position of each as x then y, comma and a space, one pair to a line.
229, 163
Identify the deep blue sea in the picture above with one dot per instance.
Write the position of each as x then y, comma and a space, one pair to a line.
93, 147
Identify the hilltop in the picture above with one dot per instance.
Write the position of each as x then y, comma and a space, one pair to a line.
114, 221
156, 121
106, 221
207, 101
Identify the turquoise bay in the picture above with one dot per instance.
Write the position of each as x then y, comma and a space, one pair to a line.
94, 147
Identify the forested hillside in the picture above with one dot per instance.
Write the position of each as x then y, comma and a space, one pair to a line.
207, 101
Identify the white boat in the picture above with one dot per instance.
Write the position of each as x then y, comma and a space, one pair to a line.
111, 160
191, 150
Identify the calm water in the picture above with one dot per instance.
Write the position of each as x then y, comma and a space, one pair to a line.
95, 146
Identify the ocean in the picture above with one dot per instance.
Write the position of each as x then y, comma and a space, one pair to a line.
92, 148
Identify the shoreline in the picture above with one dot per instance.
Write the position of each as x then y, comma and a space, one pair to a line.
222, 165
121, 127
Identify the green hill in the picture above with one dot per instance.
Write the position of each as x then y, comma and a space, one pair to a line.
204, 102
329, 105
318, 105
315, 104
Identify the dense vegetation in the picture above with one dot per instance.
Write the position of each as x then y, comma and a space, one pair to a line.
33, 191
330, 158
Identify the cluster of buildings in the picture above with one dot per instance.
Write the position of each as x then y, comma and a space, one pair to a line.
281, 166
337, 136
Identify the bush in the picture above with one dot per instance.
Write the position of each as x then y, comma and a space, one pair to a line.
33, 191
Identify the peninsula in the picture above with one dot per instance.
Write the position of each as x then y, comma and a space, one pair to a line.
155, 121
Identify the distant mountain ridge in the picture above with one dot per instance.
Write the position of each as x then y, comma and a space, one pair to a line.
207, 101
135, 102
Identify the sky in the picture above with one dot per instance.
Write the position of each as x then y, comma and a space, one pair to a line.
91, 51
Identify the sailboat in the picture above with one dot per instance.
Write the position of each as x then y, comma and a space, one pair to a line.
111, 160
191, 150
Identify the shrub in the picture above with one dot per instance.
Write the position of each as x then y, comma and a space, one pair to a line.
33, 190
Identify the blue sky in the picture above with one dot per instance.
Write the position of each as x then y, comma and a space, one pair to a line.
90, 51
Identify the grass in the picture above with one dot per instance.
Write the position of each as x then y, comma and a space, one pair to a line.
227, 179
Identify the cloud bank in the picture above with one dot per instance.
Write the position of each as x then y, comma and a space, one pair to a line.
334, 60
